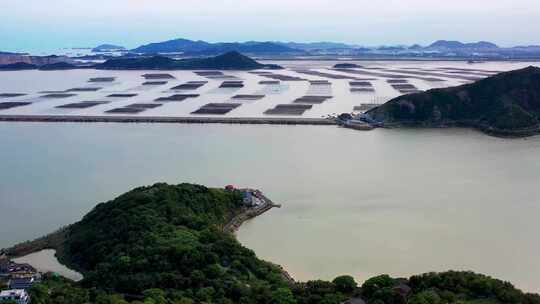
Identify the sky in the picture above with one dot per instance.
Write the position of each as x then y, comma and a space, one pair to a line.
51, 24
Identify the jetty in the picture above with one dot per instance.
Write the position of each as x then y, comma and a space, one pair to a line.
255, 204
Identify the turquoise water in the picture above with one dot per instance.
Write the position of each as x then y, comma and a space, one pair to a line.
363, 203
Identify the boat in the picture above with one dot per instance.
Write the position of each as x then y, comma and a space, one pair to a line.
358, 125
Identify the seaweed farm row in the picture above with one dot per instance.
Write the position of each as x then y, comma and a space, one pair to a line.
303, 90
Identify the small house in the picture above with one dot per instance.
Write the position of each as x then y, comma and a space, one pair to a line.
19, 270
247, 198
19, 296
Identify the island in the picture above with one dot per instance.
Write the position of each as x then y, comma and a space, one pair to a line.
507, 104
105, 48
175, 244
58, 66
228, 61
346, 66
186, 46
18, 66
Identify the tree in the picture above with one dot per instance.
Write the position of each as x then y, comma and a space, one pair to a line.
155, 295
426, 297
375, 284
205, 294
283, 296
345, 284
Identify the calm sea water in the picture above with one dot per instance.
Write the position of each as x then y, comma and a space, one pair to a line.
363, 203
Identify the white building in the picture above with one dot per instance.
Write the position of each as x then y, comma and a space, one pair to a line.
18, 295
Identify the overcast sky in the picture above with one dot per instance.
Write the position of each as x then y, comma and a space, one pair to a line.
47, 24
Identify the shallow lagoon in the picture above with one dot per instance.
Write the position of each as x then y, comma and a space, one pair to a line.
46, 261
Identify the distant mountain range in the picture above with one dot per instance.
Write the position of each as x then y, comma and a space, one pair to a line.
185, 48
317, 45
445, 44
205, 48
442, 48
200, 47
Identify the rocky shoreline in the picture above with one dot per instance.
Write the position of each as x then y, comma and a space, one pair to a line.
249, 213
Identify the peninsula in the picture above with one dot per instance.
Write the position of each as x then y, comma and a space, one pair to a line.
507, 104
173, 244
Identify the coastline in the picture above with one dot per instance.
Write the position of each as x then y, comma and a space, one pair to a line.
231, 226
54, 241
486, 129
250, 213
38, 250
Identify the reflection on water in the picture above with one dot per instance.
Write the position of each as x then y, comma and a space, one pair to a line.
363, 203
46, 261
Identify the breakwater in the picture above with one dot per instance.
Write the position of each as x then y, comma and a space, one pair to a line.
168, 119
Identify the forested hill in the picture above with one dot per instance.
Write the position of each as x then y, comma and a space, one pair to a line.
163, 244
507, 102
226, 61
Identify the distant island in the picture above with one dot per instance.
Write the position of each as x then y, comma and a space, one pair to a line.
205, 48
18, 66
104, 48
227, 61
58, 66
445, 44
192, 47
507, 104
347, 66
173, 244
